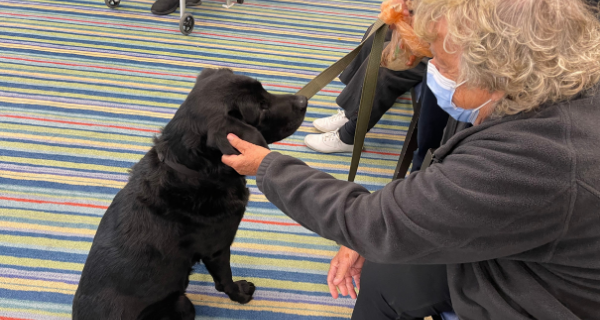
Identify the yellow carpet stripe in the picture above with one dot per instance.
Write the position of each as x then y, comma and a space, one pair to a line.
30, 226
65, 164
81, 86
81, 245
146, 148
240, 11
91, 143
83, 96
82, 118
43, 216
277, 55
123, 81
245, 234
125, 34
258, 198
80, 133
85, 246
343, 5
197, 65
337, 158
274, 248
37, 311
255, 305
273, 306
288, 238
41, 284
77, 181
220, 26
300, 264
172, 54
369, 135
39, 263
123, 156
35, 100
267, 283
58, 197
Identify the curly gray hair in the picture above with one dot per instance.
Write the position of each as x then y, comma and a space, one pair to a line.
535, 51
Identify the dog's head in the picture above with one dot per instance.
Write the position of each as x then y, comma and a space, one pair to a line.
222, 102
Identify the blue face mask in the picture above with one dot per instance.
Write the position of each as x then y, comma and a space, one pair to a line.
443, 89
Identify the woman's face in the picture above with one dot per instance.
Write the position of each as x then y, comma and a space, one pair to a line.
447, 63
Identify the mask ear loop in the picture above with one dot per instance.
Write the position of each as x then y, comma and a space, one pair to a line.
475, 112
454, 91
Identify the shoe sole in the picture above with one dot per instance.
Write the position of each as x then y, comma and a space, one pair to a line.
187, 4
317, 150
323, 129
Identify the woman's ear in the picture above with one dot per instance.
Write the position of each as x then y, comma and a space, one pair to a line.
497, 96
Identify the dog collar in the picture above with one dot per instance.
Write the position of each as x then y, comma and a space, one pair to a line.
179, 167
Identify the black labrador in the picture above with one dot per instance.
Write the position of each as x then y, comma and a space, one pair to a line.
182, 205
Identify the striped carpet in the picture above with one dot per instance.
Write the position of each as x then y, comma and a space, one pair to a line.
83, 89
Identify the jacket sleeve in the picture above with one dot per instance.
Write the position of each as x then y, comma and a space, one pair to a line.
465, 209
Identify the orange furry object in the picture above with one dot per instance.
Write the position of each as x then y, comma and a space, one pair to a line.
391, 11
405, 42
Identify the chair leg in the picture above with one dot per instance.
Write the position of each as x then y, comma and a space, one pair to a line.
410, 142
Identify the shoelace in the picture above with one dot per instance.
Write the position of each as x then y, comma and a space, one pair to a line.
331, 136
339, 116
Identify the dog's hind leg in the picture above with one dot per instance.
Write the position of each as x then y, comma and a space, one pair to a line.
219, 268
176, 306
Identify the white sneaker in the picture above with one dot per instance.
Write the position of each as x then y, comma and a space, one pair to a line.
331, 123
327, 142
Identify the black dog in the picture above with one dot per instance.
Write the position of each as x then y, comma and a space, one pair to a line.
182, 205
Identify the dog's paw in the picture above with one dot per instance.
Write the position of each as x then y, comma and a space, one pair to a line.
242, 291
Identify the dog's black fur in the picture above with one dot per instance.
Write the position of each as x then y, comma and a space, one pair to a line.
163, 221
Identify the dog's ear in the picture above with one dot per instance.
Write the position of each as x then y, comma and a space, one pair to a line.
207, 72
218, 137
244, 110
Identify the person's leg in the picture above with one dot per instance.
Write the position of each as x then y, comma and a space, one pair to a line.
430, 127
363, 54
390, 85
162, 7
402, 292
334, 122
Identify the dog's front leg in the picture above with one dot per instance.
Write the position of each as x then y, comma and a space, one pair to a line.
219, 268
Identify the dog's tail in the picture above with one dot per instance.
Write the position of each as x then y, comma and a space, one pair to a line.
175, 306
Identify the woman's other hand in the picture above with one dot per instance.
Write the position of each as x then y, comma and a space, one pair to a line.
345, 266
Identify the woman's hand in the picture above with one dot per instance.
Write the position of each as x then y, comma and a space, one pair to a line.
249, 160
345, 266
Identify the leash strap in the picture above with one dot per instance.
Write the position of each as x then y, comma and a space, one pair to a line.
325, 77
367, 97
368, 90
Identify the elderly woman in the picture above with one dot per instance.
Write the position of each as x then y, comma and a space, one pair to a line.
510, 206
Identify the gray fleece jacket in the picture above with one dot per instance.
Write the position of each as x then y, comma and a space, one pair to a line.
512, 206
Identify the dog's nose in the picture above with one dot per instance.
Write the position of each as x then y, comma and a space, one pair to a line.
301, 102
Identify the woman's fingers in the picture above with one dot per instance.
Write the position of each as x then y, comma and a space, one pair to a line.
248, 162
344, 265
230, 160
357, 281
330, 276
238, 143
350, 287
